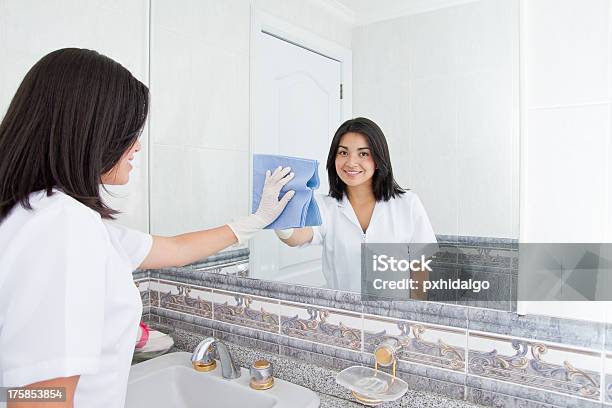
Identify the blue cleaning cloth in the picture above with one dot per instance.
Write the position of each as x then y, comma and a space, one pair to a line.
302, 210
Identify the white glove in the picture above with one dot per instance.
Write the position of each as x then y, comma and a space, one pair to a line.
270, 207
284, 233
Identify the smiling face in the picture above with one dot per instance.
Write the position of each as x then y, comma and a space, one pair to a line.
120, 174
354, 163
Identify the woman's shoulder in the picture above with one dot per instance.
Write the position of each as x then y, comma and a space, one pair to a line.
52, 213
406, 199
327, 200
55, 221
61, 203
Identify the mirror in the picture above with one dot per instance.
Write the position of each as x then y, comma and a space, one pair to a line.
441, 84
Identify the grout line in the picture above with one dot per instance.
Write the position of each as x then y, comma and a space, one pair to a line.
150, 141
569, 105
215, 149
549, 344
546, 390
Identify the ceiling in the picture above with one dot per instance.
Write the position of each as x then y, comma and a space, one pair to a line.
361, 12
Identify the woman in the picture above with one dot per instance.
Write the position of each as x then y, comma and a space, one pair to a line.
69, 310
365, 205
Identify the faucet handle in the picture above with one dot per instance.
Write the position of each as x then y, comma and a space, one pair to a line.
261, 375
203, 357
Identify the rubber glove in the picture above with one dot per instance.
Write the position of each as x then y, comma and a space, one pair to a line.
284, 233
270, 207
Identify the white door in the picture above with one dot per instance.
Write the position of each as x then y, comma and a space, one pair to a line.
296, 109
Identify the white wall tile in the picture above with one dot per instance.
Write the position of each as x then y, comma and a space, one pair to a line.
566, 165
487, 138
567, 51
218, 187
224, 24
219, 100
170, 182
433, 49
433, 150
488, 37
171, 82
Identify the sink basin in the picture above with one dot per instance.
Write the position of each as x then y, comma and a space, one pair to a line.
170, 381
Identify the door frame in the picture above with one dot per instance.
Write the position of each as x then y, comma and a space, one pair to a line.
262, 21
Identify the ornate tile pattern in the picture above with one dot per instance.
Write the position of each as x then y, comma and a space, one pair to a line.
246, 310
536, 364
556, 362
321, 325
184, 298
424, 344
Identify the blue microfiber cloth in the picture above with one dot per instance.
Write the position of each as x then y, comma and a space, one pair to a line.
302, 210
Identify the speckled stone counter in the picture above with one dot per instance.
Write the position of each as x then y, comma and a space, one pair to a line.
319, 379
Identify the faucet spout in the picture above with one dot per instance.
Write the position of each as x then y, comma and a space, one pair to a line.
203, 358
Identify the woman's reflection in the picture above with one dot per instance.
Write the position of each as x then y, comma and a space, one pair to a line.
364, 205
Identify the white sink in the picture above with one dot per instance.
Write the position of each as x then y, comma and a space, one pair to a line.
170, 381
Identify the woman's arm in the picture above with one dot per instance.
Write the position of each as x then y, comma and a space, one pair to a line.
67, 383
187, 248
298, 237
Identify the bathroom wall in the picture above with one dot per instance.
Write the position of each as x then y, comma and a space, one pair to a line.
443, 85
567, 115
200, 106
566, 136
30, 29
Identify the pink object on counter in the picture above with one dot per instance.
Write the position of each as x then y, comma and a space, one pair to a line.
144, 335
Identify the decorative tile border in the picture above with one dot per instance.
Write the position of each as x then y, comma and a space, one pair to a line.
504, 394
421, 343
536, 364
320, 325
544, 328
530, 361
247, 311
182, 298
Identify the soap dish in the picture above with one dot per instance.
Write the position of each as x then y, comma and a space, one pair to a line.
370, 386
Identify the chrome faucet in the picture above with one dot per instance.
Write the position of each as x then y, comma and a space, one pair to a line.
203, 358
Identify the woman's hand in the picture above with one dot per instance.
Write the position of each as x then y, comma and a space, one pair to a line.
270, 207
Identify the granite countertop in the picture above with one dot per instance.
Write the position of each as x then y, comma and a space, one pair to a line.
319, 379
327, 401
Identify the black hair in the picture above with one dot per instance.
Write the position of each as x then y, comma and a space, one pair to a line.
73, 117
384, 185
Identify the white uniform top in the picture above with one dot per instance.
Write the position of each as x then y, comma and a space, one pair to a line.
400, 220
68, 303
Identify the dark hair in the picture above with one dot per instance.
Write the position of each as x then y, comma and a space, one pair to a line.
74, 115
384, 185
